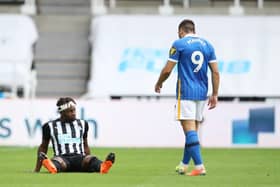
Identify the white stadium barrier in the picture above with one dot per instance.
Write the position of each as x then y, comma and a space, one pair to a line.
130, 123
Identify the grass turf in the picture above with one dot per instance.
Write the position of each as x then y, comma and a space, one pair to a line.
149, 167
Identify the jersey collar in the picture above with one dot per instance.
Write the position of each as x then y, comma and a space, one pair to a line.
191, 35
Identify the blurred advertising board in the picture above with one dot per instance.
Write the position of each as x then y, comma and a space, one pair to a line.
129, 51
133, 123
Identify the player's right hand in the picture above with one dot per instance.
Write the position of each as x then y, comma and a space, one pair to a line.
157, 88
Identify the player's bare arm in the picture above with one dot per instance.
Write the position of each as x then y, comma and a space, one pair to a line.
165, 72
213, 99
42, 148
86, 147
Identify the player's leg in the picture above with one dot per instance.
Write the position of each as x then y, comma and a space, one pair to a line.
189, 129
47, 163
93, 164
61, 163
194, 147
54, 165
185, 111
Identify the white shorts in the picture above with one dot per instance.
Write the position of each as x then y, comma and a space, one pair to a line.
189, 110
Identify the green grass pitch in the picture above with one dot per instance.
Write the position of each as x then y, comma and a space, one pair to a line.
149, 167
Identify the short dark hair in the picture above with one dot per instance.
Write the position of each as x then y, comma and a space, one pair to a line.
187, 26
63, 100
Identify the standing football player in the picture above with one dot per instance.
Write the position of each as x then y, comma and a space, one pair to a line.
193, 55
70, 145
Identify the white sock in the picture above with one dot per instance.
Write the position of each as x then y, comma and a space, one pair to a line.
200, 166
182, 164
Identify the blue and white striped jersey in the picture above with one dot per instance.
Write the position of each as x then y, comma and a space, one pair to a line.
192, 55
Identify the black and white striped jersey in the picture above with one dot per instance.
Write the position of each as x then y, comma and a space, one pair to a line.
66, 137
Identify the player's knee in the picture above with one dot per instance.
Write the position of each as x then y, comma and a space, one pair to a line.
91, 164
59, 163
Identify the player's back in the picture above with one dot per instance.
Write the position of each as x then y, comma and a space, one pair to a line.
195, 54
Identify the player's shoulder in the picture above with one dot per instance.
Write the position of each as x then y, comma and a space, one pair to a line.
50, 122
81, 121
205, 40
179, 42
46, 125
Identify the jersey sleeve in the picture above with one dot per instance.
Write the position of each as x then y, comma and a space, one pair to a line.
174, 52
212, 57
46, 131
85, 135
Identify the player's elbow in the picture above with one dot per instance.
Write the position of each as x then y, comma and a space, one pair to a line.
216, 75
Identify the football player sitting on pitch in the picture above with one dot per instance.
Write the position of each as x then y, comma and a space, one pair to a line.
70, 145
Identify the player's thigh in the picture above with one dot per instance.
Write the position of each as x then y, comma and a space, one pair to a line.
200, 105
185, 110
189, 110
188, 125
91, 164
